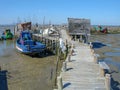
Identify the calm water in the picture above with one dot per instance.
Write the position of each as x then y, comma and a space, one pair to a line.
108, 47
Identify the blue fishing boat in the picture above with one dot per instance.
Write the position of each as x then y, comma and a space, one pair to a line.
26, 45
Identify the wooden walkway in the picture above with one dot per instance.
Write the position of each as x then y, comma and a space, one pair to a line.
82, 72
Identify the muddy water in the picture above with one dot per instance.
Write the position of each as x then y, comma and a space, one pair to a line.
108, 47
26, 72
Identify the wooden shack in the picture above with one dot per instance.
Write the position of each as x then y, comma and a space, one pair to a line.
25, 26
79, 29
22, 26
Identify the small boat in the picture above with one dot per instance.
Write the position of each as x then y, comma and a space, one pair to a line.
100, 29
7, 35
26, 45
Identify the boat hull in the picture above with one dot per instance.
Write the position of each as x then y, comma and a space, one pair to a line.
32, 49
26, 45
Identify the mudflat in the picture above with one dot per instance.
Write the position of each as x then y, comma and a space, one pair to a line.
24, 72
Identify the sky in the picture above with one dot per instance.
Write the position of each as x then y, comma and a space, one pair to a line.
100, 12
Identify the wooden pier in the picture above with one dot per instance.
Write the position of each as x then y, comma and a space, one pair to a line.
50, 42
81, 70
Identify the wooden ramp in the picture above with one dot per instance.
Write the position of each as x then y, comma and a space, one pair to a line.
82, 73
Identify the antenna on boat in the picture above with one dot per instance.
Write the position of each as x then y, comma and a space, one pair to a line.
49, 26
43, 26
44, 22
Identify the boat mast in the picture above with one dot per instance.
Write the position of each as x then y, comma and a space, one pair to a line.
43, 26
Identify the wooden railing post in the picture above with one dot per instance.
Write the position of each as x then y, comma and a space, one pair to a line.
83, 41
64, 68
59, 83
101, 71
92, 51
95, 59
108, 81
91, 46
69, 58
0, 68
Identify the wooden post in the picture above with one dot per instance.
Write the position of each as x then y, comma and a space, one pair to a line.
91, 46
59, 83
75, 37
101, 71
14, 30
71, 51
92, 51
80, 38
0, 68
95, 59
108, 81
66, 42
51, 45
69, 58
83, 41
45, 41
66, 51
40, 39
56, 46
37, 38
64, 68
56, 67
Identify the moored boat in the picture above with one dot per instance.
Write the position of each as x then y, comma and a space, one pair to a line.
7, 35
26, 45
100, 29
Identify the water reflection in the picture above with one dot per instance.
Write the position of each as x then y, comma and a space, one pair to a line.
109, 45
112, 53
112, 62
98, 45
6, 46
116, 49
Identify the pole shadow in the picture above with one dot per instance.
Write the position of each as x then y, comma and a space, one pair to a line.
97, 45
115, 84
66, 85
3, 80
